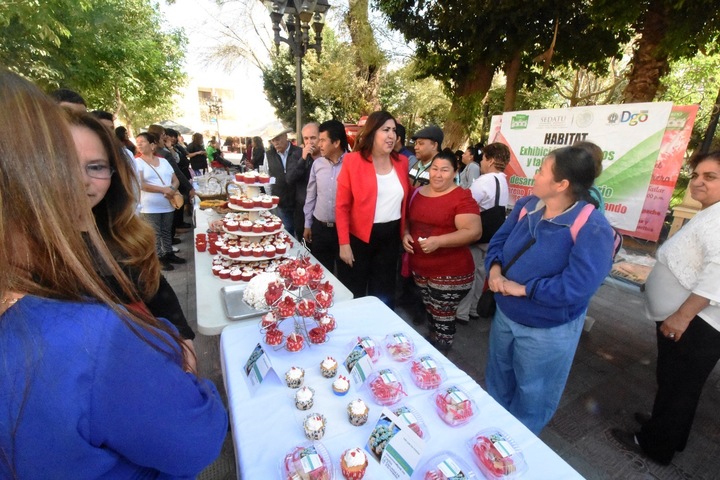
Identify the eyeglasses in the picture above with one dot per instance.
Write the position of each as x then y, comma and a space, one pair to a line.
99, 171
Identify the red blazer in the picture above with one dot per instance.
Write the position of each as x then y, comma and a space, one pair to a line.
357, 195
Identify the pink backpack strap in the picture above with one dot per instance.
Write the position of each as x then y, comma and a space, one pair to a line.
580, 220
523, 212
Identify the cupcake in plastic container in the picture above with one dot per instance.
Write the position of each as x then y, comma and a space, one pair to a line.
341, 385
295, 377
496, 454
446, 465
358, 412
408, 416
328, 367
454, 406
386, 387
314, 426
370, 347
304, 398
426, 373
353, 464
399, 347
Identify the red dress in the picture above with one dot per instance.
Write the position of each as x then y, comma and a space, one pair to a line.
434, 216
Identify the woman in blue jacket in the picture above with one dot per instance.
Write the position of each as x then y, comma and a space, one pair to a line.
542, 296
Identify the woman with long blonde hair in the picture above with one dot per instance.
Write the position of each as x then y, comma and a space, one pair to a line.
85, 384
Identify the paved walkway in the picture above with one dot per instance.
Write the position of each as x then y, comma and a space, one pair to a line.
612, 376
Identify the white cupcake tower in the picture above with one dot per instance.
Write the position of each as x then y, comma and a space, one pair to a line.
253, 191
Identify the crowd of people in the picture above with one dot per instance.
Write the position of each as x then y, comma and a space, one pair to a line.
95, 345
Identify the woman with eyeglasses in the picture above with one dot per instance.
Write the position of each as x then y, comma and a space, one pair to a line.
158, 184
88, 387
110, 185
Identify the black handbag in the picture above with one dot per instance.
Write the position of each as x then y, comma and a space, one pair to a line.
486, 305
492, 218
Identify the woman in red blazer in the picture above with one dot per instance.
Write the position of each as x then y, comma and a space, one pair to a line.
370, 210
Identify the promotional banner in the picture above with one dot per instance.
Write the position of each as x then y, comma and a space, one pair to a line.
665, 173
657, 193
630, 136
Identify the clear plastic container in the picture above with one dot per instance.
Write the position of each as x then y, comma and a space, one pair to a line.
399, 347
446, 465
454, 406
386, 387
426, 373
412, 419
306, 461
496, 454
371, 347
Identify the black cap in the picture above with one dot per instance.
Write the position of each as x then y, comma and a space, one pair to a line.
431, 132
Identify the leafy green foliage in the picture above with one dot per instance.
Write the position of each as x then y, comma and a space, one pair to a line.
460, 42
113, 52
330, 84
414, 102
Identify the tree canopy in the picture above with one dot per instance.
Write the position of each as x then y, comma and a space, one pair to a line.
464, 43
115, 53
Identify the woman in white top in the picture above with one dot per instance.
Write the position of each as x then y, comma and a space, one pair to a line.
158, 184
682, 295
471, 159
490, 191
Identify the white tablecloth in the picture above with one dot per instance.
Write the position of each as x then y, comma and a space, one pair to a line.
266, 425
210, 313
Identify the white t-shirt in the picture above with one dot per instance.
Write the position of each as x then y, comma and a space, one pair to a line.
688, 262
152, 202
484, 187
389, 198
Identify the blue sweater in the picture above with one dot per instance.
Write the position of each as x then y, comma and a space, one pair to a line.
559, 276
82, 396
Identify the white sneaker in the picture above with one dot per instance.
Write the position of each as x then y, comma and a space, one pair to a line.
175, 249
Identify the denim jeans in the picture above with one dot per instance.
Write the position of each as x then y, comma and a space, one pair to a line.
527, 367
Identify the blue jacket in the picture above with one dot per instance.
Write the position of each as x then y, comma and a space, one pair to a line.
82, 397
559, 276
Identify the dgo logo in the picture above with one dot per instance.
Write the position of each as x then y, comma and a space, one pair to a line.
628, 117
633, 119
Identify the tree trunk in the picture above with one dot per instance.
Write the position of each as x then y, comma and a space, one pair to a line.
650, 61
369, 59
471, 89
512, 72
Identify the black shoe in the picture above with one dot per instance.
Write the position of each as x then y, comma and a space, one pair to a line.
474, 318
176, 240
626, 440
642, 417
166, 266
172, 258
462, 321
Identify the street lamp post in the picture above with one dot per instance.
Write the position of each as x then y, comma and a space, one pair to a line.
298, 16
215, 108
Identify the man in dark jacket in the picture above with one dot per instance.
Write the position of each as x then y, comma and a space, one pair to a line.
283, 161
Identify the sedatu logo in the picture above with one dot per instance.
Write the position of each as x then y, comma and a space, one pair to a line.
518, 122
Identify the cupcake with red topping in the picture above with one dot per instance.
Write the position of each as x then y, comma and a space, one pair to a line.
304, 398
274, 337
328, 367
294, 377
340, 386
294, 342
358, 412
353, 464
